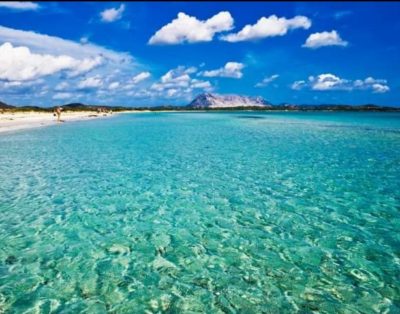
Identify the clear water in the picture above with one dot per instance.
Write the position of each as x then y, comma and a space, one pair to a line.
202, 213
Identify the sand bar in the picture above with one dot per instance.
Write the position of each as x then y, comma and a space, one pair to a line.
13, 121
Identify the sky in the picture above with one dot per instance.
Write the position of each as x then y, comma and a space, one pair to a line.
166, 53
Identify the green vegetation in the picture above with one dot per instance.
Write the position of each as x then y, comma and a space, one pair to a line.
282, 107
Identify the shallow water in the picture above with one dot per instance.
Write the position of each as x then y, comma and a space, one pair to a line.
203, 212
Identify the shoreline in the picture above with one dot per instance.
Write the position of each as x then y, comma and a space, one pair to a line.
16, 121
22, 120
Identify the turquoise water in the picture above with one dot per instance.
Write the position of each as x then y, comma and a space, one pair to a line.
202, 213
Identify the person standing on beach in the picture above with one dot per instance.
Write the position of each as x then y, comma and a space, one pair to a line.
57, 112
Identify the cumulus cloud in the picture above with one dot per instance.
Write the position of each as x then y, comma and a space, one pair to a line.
377, 85
178, 83
172, 92
62, 86
141, 77
113, 14
231, 69
179, 93
20, 64
189, 29
90, 82
380, 88
191, 70
324, 39
26, 56
328, 81
62, 96
206, 85
85, 65
267, 80
113, 85
268, 27
19, 5
175, 78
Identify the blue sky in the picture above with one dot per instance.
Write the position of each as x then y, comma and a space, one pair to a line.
155, 53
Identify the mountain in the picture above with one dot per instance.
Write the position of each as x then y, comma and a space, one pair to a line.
5, 106
209, 100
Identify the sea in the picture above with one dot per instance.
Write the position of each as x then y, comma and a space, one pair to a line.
202, 212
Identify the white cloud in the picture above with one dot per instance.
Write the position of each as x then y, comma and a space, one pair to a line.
90, 82
179, 93
191, 70
380, 88
189, 29
172, 92
231, 69
267, 80
113, 85
377, 85
113, 14
175, 78
157, 87
141, 77
54, 60
128, 86
328, 81
298, 85
172, 79
268, 27
85, 65
324, 39
61, 86
19, 5
44, 44
62, 95
24, 87
206, 85
142, 93
20, 64
177, 83
12, 84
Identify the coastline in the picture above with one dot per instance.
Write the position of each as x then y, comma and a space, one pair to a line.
15, 121
21, 120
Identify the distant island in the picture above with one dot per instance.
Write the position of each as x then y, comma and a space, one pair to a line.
209, 102
215, 101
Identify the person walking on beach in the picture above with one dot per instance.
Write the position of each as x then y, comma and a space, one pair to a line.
57, 112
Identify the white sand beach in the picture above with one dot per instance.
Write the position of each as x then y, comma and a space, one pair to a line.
26, 120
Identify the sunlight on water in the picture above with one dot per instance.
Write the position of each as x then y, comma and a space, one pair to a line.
202, 213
